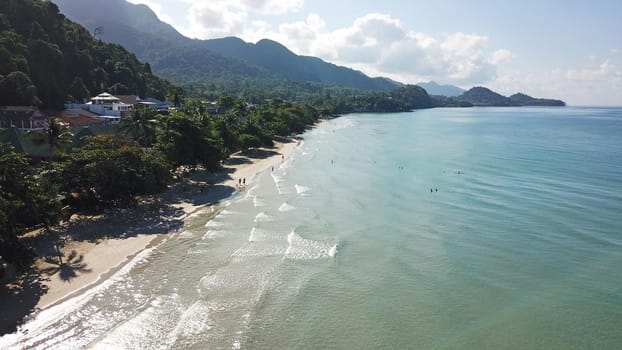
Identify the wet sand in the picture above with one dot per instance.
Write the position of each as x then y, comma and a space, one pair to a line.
87, 250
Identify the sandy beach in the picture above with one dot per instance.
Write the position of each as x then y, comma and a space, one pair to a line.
84, 252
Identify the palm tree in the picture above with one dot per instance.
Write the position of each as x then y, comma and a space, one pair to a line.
57, 136
140, 125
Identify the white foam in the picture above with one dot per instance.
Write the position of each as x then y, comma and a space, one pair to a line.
280, 190
258, 234
302, 190
251, 237
278, 181
300, 248
253, 189
285, 207
248, 195
37, 329
147, 329
211, 234
276, 178
258, 202
263, 217
195, 320
214, 223
186, 235
344, 123
287, 164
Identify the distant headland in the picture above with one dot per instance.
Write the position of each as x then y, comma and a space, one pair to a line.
483, 97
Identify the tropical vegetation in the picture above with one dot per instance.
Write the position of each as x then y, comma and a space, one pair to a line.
107, 171
47, 60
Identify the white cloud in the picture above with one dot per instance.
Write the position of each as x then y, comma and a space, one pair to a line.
219, 18
155, 7
214, 19
379, 44
594, 84
273, 7
501, 56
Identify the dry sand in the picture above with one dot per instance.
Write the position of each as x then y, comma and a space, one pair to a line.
84, 252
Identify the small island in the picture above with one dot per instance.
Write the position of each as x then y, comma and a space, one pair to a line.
484, 97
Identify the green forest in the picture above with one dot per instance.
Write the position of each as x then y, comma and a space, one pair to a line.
47, 60
141, 158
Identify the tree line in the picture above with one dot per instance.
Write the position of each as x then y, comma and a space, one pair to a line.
141, 158
330, 99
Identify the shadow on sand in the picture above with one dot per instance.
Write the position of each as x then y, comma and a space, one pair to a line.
19, 299
67, 268
152, 215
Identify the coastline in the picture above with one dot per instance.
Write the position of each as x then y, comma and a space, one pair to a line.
95, 248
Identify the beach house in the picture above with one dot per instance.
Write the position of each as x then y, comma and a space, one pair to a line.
106, 104
22, 117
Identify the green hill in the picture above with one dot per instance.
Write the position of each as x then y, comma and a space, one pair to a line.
218, 61
433, 88
47, 60
481, 96
278, 59
526, 100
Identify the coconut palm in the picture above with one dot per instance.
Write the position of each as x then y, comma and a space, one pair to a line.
141, 125
57, 136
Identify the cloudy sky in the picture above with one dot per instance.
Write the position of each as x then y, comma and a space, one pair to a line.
569, 49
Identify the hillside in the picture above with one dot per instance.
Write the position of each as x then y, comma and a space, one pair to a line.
434, 88
526, 100
47, 60
481, 96
484, 97
278, 59
176, 57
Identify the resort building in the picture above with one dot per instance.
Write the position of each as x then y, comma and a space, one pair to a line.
108, 105
22, 117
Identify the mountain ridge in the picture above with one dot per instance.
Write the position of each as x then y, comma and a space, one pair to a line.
138, 27
433, 88
484, 97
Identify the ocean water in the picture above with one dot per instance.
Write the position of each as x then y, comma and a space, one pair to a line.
479, 228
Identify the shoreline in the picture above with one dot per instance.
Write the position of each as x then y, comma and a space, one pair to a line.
96, 248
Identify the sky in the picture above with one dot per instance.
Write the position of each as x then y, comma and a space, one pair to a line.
567, 49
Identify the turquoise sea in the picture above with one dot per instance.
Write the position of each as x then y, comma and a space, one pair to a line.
476, 228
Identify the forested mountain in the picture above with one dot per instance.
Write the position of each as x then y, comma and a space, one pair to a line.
47, 60
526, 100
185, 60
481, 96
433, 88
278, 59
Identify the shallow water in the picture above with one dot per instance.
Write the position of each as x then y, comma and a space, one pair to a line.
349, 245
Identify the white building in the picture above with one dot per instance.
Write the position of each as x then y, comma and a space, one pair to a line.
107, 105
